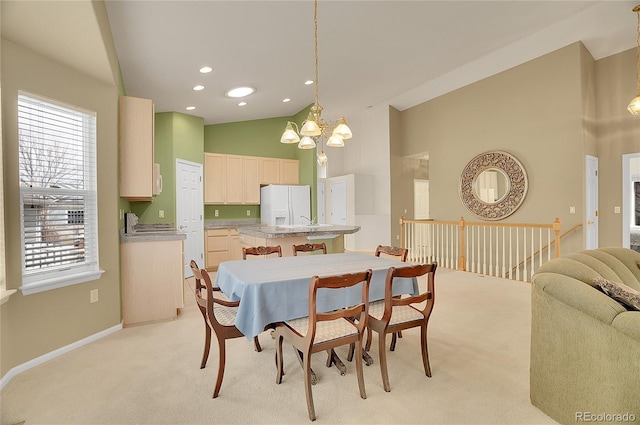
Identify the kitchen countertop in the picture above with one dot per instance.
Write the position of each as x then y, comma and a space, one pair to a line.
272, 232
164, 235
233, 223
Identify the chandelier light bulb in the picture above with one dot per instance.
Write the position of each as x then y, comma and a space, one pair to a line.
634, 106
342, 129
307, 143
335, 142
322, 158
290, 135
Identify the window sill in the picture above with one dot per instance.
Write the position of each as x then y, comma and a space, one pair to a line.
5, 294
60, 282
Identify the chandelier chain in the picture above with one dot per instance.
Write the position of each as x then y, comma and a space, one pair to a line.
637, 10
315, 40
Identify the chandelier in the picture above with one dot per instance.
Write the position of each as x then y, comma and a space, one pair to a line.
314, 128
634, 106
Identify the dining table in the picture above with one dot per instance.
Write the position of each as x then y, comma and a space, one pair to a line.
276, 289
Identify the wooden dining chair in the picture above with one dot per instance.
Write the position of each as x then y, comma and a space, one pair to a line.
262, 251
392, 251
397, 314
219, 315
324, 331
310, 247
400, 254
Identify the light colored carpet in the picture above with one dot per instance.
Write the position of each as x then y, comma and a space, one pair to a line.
478, 348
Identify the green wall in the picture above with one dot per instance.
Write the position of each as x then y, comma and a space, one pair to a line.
177, 136
258, 138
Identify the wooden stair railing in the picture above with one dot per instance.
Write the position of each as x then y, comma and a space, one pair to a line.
491, 248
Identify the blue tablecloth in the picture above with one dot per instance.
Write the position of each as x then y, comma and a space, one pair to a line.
277, 289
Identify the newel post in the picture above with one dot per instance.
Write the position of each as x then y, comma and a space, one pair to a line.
556, 230
402, 232
461, 259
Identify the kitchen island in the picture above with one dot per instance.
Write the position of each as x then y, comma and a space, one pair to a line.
289, 235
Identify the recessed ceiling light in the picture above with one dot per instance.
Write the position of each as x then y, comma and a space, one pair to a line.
240, 91
190, 108
206, 69
242, 103
198, 88
286, 100
308, 82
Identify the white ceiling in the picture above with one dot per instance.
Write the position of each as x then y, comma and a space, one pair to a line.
400, 52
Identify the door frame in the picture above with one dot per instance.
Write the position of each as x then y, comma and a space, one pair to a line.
198, 244
591, 203
626, 197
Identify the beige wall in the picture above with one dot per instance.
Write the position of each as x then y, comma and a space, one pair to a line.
618, 133
38, 324
535, 111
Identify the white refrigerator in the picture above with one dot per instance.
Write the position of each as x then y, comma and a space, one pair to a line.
285, 204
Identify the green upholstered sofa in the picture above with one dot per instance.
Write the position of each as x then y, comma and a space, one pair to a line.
585, 346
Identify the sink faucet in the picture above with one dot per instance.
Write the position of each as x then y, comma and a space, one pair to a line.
307, 218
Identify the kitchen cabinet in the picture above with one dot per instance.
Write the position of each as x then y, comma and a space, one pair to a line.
152, 280
221, 244
289, 171
215, 178
279, 171
231, 179
136, 133
269, 171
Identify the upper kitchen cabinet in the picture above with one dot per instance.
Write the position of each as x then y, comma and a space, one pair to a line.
231, 179
279, 171
269, 170
243, 186
215, 178
289, 171
136, 148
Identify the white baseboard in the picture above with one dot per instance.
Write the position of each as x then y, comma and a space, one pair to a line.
55, 353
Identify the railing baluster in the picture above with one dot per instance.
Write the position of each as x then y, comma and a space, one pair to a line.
464, 245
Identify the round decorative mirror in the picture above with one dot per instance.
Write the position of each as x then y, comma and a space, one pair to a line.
493, 185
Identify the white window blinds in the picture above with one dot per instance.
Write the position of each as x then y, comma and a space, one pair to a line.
57, 162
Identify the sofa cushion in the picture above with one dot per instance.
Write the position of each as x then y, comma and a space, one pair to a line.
574, 293
620, 292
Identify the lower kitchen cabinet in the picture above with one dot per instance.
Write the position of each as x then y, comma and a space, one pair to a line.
152, 280
221, 245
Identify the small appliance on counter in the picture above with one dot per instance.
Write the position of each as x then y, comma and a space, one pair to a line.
130, 221
131, 225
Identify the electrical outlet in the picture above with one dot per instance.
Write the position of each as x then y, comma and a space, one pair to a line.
616, 210
161, 213
572, 210
93, 295
216, 213
248, 213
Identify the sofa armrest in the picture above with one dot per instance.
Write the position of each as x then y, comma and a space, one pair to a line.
576, 294
629, 324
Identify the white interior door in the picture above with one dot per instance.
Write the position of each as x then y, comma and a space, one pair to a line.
189, 211
420, 199
338, 203
591, 210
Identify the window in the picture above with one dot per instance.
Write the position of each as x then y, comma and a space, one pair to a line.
57, 163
